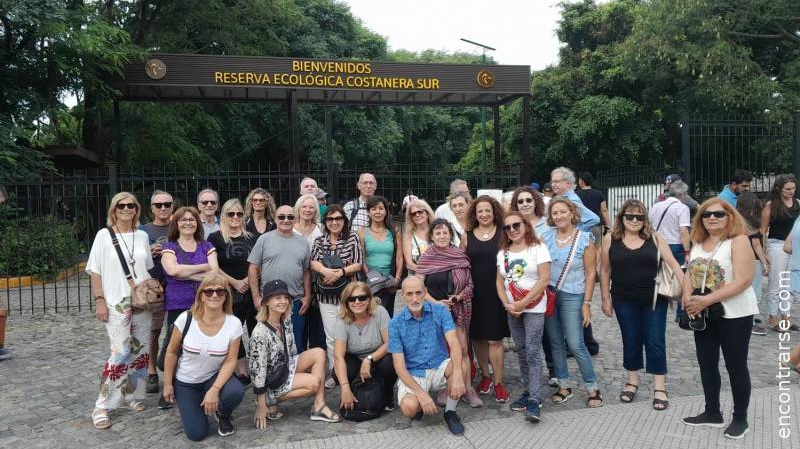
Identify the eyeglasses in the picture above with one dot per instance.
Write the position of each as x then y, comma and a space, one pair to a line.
715, 214
259, 200
524, 200
289, 217
235, 214
633, 217
207, 203
359, 298
419, 212
514, 226
209, 292
187, 220
332, 219
129, 206
166, 205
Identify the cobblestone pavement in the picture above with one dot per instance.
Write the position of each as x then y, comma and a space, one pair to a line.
48, 389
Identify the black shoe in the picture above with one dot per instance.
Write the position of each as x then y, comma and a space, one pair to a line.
453, 422
737, 428
418, 416
163, 404
705, 419
152, 383
245, 380
224, 425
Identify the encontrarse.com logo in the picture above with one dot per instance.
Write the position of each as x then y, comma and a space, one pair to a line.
784, 348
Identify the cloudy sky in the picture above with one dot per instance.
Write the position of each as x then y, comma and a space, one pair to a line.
522, 31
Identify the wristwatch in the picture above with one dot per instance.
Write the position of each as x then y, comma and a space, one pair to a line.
370, 358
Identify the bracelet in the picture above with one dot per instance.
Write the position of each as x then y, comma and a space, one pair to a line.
214, 386
587, 302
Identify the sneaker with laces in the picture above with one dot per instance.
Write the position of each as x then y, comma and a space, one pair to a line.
163, 404
453, 422
759, 330
532, 412
5, 354
737, 428
152, 383
500, 393
705, 420
224, 424
521, 403
471, 398
485, 385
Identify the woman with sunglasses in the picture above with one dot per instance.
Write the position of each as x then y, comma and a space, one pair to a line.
445, 269
259, 213
273, 347
459, 204
529, 203
523, 272
233, 245
629, 263
361, 338
720, 271
200, 377
186, 257
419, 216
572, 275
489, 325
122, 382
337, 240
383, 251
777, 218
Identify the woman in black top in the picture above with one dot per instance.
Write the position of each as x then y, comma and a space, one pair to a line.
627, 279
777, 220
749, 206
233, 244
259, 213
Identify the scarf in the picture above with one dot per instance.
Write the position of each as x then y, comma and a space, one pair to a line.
453, 259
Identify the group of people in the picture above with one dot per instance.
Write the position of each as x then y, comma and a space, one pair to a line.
315, 287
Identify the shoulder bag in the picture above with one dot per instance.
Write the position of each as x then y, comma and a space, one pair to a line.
280, 369
145, 296
667, 284
369, 399
163, 353
552, 291
334, 261
713, 312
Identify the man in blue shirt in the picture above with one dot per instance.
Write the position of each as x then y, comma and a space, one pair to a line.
740, 183
419, 337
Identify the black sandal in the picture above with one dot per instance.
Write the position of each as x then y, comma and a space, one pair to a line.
597, 397
627, 396
660, 402
560, 398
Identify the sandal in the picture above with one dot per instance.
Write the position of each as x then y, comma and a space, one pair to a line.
136, 406
627, 396
560, 398
660, 404
597, 397
100, 419
324, 413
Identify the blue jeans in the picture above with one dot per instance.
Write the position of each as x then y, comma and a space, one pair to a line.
299, 325
567, 323
679, 255
190, 396
641, 326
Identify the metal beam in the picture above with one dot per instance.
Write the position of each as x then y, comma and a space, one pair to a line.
497, 153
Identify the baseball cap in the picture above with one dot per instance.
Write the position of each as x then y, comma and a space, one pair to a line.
273, 288
321, 194
535, 186
672, 178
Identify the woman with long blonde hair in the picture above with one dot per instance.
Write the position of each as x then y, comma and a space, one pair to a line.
419, 216
259, 212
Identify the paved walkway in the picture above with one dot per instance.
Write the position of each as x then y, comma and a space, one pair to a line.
48, 390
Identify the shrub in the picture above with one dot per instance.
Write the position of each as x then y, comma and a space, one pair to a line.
39, 247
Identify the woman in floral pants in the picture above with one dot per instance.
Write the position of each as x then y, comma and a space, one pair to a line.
122, 382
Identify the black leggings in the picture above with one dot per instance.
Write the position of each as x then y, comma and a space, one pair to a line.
733, 337
244, 309
383, 368
387, 301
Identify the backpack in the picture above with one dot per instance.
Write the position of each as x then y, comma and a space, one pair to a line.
370, 400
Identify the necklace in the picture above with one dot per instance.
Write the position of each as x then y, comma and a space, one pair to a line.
131, 260
485, 235
565, 240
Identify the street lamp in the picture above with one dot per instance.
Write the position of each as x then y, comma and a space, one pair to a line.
483, 111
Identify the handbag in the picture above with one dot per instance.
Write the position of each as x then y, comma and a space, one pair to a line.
552, 291
715, 311
331, 260
518, 293
377, 282
280, 370
667, 283
148, 295
369, 395
162, 355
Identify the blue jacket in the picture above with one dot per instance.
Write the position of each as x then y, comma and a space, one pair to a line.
589, 219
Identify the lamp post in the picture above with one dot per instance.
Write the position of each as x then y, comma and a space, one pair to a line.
483, 112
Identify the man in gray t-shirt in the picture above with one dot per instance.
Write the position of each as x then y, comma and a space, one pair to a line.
282, 254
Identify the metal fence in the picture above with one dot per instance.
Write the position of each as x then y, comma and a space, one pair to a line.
81, 198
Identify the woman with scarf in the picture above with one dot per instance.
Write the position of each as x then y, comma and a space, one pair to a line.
445, 270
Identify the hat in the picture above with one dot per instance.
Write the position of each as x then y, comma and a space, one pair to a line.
547, 185
273, 288
535, 186
409, 198
672, 178
321, 194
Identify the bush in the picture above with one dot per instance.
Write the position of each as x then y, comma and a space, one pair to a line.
39, 247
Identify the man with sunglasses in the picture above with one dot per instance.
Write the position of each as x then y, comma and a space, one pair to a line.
285, 255
207, 204
161, 208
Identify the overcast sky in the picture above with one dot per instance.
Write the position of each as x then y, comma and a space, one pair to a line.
522, 31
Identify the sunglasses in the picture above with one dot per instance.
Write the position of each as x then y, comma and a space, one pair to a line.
715, 214
332, 219
235, 214
514, 226
166, 205
209, 292
524, 200
282, 217
207, 203
359, 298
129, 206
418, 212
259, 200
633, 217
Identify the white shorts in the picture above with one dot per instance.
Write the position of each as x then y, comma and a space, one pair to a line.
434, 380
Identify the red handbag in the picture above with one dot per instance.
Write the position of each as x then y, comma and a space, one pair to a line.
551, 291
518, 293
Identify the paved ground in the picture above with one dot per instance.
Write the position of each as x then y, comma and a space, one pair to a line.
48, 390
